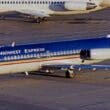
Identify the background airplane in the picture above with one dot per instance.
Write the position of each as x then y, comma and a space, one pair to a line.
64, 55
39, 10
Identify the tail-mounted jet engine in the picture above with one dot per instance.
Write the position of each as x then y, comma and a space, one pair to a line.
79, 6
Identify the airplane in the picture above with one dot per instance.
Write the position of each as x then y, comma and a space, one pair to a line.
61, 55
39, 10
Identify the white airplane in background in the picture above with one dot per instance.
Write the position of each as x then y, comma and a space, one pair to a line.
41, 9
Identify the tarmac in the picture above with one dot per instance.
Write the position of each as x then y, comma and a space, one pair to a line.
87, 91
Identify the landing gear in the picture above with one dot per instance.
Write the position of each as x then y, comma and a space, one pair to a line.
50, 71
70, 74
27, 74
39, 20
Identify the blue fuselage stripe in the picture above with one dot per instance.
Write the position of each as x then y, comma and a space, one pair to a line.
53, 49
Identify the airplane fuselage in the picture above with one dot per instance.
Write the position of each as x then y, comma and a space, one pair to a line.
50, 7
31, 57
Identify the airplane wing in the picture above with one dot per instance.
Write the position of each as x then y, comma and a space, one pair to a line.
34, 13
80, 66
69, 68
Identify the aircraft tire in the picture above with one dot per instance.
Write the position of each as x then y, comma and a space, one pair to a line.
70, 74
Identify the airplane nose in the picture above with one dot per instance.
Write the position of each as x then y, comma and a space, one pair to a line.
91, 6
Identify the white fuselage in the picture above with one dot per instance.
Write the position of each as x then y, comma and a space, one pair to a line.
47, 6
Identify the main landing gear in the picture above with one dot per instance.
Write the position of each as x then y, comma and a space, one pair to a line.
39, 20
70, 74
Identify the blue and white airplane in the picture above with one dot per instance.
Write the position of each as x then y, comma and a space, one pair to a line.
41, 9
63, 55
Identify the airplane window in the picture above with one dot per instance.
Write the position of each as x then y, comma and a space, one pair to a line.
11, 57
55, 2
13, 2
37, 2
63, 2
10, 2
2, 2
34, 55
16, 2
40, 2
38, 56
52, 3
31, 2
31, 56
21, 56
49, 2
22, 2
64, 52
4, 58
34, 2
28, 2
19, 2
25, 2
15, 57
8, 58
46, 2
58, 2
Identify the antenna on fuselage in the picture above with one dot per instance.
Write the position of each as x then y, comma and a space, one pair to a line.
13, 44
